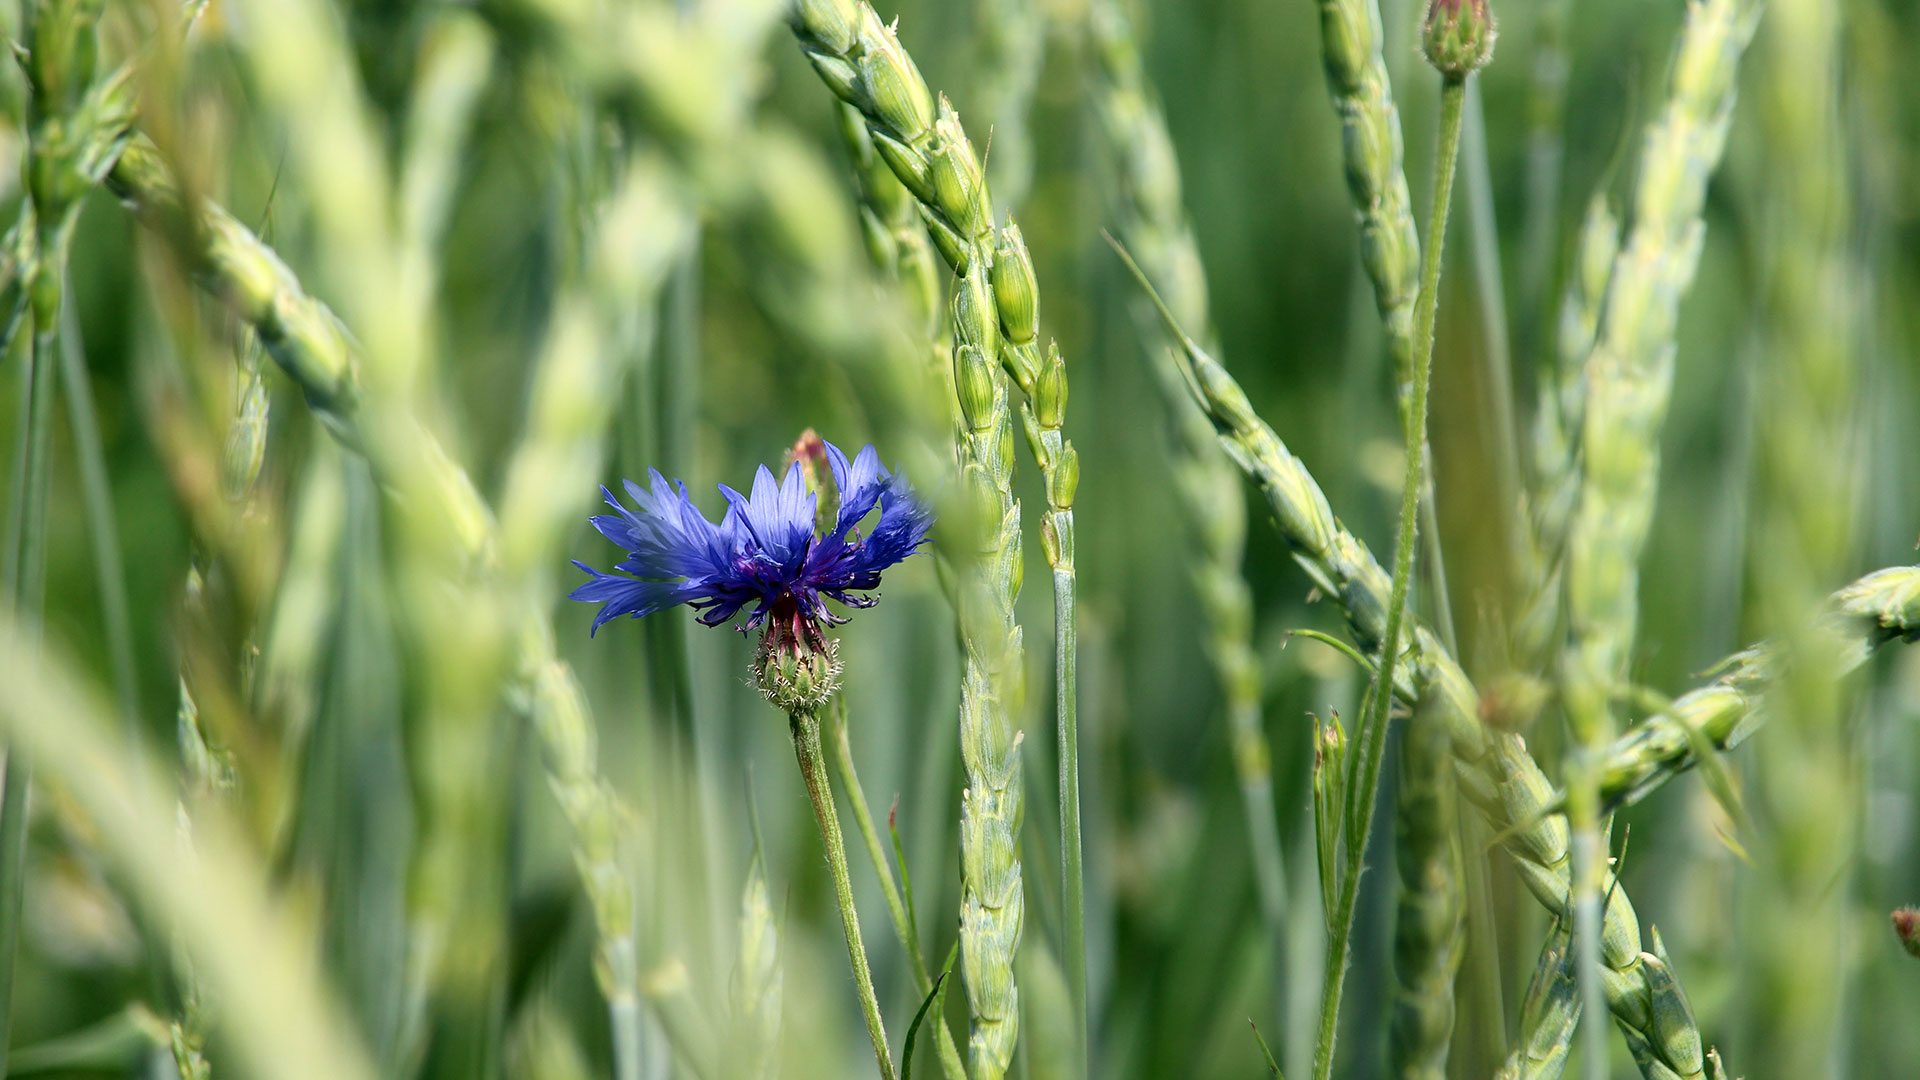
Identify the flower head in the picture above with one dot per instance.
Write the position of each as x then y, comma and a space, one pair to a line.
767, 553
1458, 36
1906, 926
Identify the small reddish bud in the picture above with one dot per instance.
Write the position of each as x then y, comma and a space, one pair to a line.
1906, 926
1458, 38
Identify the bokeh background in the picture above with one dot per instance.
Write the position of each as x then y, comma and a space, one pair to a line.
732, 363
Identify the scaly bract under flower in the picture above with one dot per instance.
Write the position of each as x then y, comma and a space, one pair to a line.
766, 551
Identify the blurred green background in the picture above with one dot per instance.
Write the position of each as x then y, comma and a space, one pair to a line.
1179, 956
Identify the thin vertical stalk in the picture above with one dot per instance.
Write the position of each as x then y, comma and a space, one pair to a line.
26, 568
95, 487
72, 124
1072, 869
889, 888
1374, 733
805, 728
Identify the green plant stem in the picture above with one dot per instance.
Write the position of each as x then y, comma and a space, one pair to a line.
805, 728
96, 488
1072, 869
26, 578
889, 888
1340, 943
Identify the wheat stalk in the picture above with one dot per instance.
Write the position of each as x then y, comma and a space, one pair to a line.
1629, 374
1154, 224
1809, 821
1429, 927
1352, 47
1882, 606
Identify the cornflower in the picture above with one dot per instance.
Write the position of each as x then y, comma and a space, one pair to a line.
786, 549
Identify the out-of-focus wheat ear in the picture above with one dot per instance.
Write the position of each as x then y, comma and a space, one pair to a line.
278, 1015
1153, 220
1010, 39
1809, 821
1629, 375
756, 977
1429, 928
308, 343
1559, 405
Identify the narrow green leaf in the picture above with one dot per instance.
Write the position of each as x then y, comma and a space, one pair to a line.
936, 998
1272, 1065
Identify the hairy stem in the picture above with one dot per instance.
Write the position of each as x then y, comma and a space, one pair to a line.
889, 888
1374, 732
805, 728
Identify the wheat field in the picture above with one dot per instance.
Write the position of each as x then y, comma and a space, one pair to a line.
1053, 539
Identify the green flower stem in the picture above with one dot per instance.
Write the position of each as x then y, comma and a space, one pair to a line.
26, 569
805, 728
890, 888
96, 489
1374, 732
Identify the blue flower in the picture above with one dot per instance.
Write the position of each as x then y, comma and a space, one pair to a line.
766, 551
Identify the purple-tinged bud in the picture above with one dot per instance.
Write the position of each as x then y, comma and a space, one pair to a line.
796, 668
1458, 38
810, 453
1513, 700
1906, 926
